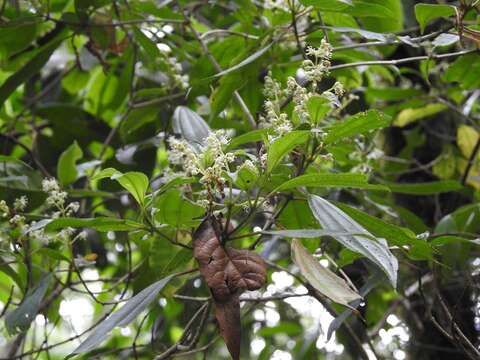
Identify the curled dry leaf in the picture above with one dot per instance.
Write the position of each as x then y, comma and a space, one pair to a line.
227, 272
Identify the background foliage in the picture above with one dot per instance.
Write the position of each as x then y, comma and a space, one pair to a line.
349, 160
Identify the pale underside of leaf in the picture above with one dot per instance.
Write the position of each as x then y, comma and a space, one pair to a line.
333, 219
124, 316
321, 278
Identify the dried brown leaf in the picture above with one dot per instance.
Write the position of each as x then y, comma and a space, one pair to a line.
227, 272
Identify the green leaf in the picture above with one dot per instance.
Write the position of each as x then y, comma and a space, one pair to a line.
17, 34
318, 107
283, 145
371, 9
19, 319
105, 173
425, 13
328, 5
464, 219
12, 274
136, 183
246, 177
28, 70
224, 92
395, 235
127, 313
175, 210
148, 45
391, 93
408, 116
176, 260
53, 254
465, 71
249, 137
66, 169
451, 239
390, 24
332, 218
360, 123
246, 61
322, 279
339, 180
427, 188
99, 223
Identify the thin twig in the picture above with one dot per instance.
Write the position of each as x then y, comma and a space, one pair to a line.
218, 68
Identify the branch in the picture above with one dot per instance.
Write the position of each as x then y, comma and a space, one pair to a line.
404, 60
218, 68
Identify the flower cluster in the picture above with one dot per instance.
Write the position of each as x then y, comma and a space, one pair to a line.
274, 118
4, 209
315, 70
209, 160
179, 78
300, 96
35, 230
57, 197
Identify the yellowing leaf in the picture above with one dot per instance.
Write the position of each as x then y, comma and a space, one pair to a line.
473, 178
91, 257
408, 116
445, 165
322, 279
467, 137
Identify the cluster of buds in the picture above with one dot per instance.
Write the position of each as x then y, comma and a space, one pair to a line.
275, 118
180, 79
317, 68
300, 96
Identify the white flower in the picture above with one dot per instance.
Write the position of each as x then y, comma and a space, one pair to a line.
375, 154
72, 208
20, 203
82, 235
272, 88
249, 165
56, 198
4, 209
40, 236
65, 234
17, 220
338, 89
300, 99
182, 153
324, 51
316, 70
203, 203
49, 185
